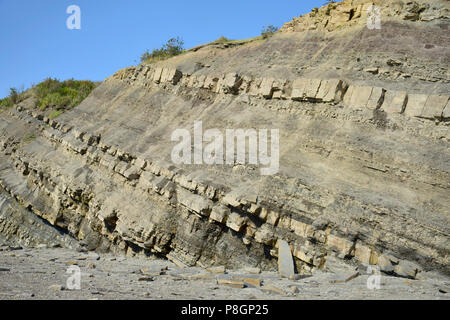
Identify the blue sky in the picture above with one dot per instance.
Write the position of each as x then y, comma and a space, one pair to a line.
36, 43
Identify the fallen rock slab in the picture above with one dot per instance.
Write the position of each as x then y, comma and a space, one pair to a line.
343, 278
285, 261
217, 270
251, 270
231, 283
273, 289
406, 269
256, 282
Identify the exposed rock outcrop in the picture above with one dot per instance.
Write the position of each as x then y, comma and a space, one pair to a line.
364, 172
334, 91
350, 13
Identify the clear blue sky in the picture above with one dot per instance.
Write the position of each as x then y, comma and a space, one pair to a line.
37, 44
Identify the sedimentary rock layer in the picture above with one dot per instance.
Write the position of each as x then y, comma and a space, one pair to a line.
302, 89
363, 156
115, 195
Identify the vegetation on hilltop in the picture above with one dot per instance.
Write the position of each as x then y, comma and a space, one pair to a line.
175, 46
15, 96
51, 95
61, 94
269, 31
171, 48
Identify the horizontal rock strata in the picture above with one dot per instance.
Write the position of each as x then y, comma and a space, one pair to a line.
333, 91
114, 199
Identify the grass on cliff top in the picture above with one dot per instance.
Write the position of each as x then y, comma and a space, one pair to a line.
175, 46
5, 103
51, 95
226, 41
266, 33
236, 42
172, 48
55, 94
14, 97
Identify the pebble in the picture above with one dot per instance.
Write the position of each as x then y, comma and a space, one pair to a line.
294, 289
145, 279
251, 270
231, 283
217, 270
94, 256
82, 249
10, 248
56, 287
27, 295
443, 289
273, 289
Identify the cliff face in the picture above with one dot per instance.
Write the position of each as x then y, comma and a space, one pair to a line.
349, 13
363, 154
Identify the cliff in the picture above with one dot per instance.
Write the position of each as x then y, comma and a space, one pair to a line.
363, 169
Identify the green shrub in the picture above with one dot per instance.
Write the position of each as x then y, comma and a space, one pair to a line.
62, 94
52, 94
173, 47
5, 103
269, 31
13, 95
